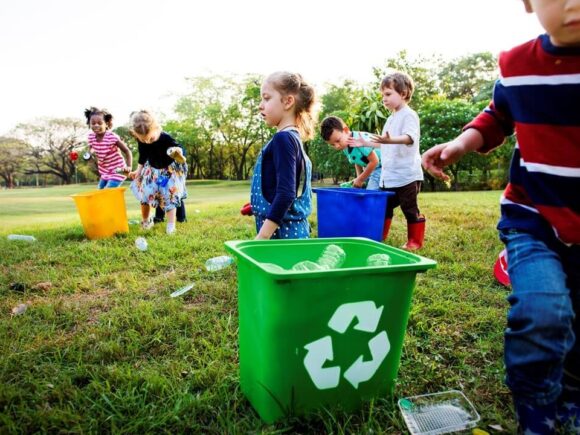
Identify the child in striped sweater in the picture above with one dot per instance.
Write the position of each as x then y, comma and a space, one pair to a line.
537, 98
105, 146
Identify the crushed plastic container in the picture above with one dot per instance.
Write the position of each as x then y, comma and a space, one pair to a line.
438, 413
317, 339
344, 212
102, 212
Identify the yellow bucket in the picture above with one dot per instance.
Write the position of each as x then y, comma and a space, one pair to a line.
103, 212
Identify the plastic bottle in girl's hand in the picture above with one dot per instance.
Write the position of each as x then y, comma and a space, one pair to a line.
217, 263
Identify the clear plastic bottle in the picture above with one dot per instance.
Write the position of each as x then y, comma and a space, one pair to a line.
141, 243
217, 263
306, 265
271, 267
21, 237
332, 257
378, 260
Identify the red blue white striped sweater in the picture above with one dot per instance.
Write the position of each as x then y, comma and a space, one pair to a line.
538, 96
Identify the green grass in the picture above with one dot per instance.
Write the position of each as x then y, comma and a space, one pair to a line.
103, 348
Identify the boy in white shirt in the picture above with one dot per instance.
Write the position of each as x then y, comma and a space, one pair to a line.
400, 156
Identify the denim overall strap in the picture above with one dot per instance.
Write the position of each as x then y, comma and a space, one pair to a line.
294, 224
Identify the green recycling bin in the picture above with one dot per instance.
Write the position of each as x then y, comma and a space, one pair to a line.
310, 340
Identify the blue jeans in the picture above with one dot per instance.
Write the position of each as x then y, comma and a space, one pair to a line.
374, 180
103, 184
540, 339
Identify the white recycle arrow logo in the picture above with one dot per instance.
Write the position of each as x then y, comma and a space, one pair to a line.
320, 351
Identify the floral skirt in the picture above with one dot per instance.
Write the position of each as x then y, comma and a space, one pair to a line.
161, 187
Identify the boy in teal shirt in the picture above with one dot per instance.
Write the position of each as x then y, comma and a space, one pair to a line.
366, 161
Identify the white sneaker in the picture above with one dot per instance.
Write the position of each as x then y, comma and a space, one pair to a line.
147, 225
170, 228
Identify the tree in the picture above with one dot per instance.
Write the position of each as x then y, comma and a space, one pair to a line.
470, 77
51, 142
340, 98
222, 113
13, 155
422, 69
441, 121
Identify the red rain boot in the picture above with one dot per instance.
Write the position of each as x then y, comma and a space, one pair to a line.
386, 228
415, 235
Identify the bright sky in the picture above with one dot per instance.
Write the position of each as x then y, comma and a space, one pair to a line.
60, 56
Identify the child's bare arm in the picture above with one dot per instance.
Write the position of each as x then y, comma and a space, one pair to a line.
268, 228
136, 173
368, 170
404, 139
436, 158
361, 142
126, 152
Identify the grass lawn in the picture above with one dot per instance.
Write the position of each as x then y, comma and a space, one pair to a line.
103, 348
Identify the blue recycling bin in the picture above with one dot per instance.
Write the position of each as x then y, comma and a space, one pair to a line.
348, 212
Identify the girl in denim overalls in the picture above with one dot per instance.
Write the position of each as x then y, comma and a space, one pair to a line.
281, 196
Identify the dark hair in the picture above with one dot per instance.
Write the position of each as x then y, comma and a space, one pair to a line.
330, 124
400, 82
107, 117
293, 84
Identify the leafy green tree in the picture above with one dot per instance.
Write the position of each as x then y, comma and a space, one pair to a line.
441, 121
222, 113
340, 98
51, 142
13, 156
470, 77
422, 69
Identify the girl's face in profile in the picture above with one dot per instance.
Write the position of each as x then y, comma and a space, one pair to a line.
271, 106
98, 124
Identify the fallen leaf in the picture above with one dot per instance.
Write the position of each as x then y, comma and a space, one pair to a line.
43, 286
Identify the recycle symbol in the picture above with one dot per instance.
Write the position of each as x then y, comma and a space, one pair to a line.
319, 351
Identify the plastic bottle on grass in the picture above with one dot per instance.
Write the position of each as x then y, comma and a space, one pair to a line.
217, 263
378, 260
332, 257
21, 237
141, 243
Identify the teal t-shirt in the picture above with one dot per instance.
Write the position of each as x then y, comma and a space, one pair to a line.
359, 155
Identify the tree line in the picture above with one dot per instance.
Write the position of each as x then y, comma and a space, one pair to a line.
218, 123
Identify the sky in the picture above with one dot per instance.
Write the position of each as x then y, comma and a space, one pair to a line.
60, 56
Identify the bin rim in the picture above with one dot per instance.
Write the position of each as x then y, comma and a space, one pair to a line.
95, 191
353, 191
420, 264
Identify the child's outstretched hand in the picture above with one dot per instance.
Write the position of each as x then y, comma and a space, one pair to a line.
380, 139
358, 142
132, 175
445, 154
176, 154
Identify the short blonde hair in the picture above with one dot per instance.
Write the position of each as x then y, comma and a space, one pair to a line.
144, 127
400, 82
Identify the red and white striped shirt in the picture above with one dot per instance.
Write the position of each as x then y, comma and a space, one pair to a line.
108, 155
